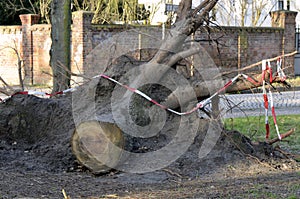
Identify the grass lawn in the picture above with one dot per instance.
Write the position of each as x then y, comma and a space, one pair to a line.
294, 81
254, 127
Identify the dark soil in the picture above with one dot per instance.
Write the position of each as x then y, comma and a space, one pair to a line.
37, 161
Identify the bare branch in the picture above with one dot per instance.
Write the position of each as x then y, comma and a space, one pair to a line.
182, 55
182, 29
62, 66
259, 63
5, 92
290, 132
19, 63
200, 7
6, 84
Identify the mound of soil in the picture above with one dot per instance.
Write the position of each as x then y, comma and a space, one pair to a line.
35, 135
35, 151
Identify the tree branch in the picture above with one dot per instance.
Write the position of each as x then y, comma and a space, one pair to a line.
290, 132
7, 85
182, 29
182, 55
19, 63
5, 91
259, 63
183, 9
203, 89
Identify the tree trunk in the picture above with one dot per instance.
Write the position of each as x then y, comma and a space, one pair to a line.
91, 144
61, 42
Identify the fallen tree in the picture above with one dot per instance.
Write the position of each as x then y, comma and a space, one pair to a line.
110, 128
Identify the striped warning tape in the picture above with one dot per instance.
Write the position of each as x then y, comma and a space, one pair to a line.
280, 72
274, 115
44, 93
138, 92
199, 105
266, 67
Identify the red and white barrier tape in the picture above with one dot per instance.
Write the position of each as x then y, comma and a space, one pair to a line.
265, 97
280, 72
274, 115
44, 93
266, 106
266, 67
198, 105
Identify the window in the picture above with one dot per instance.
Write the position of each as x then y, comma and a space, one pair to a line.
280, 4
288, 4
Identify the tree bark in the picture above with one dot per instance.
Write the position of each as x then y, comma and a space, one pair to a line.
61, 42
183, 10
92, 145
203, 90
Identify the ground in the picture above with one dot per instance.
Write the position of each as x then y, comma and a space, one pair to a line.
232, 181
37, 161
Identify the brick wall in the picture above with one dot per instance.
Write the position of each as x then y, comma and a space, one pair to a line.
94, 47
286, 20
239, 47
41, 54
10, 37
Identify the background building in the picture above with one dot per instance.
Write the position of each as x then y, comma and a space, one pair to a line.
227, 12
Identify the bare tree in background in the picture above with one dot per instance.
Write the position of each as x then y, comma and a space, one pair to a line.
45, 9
243, 12
244, 7
258, 6
11, 9
10, 89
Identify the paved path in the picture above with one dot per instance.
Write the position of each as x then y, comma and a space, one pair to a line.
286, 103
252, 104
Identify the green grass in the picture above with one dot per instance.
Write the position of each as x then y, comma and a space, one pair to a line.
294, 81
292, 197
254, 127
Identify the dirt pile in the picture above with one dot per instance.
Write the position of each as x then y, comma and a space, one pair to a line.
35, 136
36, 159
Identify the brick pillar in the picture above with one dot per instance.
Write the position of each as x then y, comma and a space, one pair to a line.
81, 39
27, 45
287, 20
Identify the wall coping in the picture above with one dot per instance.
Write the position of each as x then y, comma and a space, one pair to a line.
246, 29
214, 29
121, 26
39, 27
10, 29
285, 12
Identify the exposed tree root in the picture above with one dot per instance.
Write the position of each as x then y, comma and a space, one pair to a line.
287, 134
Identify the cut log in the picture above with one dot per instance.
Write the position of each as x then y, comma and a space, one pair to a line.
98, 145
